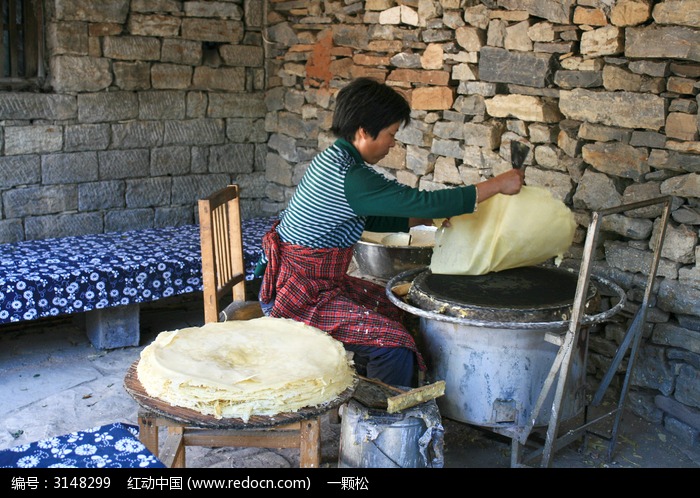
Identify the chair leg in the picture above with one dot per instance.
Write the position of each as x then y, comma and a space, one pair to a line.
310, 443
173, 454
148, 432
334, 415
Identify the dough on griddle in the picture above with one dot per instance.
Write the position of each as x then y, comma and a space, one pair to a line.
238, 369
506, 231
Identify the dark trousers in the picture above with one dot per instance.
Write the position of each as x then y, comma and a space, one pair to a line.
392, 366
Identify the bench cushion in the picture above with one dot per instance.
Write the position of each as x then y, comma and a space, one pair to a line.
52, 277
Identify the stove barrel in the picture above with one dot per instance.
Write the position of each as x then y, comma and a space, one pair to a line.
488, 338
493, 376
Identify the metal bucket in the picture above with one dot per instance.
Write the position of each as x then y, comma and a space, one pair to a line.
371, 438
493, 376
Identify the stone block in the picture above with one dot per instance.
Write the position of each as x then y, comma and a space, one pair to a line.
87, 10
112, 328
107, 106
162, 104
18, 105
131, 48
73, 74
11, 231
432, 98
62, 225
689, 434
121, 164
503, 66
67, 168
94, 196
86, 137
19, 170
36, 139
194, 131
36, 201
147, 192
122, 220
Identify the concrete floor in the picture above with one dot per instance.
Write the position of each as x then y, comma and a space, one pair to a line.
54, 382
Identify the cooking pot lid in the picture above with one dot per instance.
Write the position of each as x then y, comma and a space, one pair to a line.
531, 293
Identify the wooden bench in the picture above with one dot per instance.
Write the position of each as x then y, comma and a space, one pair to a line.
108, 276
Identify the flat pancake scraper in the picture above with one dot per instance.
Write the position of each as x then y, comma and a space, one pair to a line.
518, 153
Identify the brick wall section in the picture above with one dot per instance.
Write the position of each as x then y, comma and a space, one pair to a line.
149, 106
605, 95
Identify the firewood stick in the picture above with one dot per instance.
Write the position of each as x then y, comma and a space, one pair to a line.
410, 398
382, 384
415, 397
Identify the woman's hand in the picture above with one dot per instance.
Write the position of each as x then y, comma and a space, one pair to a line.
509, 183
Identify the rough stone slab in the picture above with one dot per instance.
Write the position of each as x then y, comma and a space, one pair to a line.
662, 42
624, 109
502, 66
114, 11
132, 48
21, 390
678, 410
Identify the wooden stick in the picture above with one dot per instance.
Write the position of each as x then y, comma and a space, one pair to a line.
380, 383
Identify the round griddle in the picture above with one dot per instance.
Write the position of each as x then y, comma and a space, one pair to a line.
191, 417
531, 293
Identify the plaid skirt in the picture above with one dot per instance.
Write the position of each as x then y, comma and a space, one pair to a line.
312, 286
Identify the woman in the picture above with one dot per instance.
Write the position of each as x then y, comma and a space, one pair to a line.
307, 253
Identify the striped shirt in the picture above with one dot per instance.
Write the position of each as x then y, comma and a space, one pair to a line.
340, 196
319, 214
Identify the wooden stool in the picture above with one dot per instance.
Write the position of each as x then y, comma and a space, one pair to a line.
305, 435
186, 427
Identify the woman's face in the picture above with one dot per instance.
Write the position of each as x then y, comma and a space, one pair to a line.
374, 150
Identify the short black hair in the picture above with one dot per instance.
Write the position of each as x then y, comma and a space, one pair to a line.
367, 103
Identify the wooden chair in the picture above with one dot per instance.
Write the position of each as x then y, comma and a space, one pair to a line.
223, 277
223, 270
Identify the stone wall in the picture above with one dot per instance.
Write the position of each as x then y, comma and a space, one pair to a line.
604, 93
149, 106
152, 104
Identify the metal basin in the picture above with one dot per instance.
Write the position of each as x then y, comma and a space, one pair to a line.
383, 261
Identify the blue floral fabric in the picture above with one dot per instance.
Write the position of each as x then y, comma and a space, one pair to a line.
109, 446
51, 277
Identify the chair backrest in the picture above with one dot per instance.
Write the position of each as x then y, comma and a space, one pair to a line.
222, 250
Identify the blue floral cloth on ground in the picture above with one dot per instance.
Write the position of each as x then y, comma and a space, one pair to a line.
109, 446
